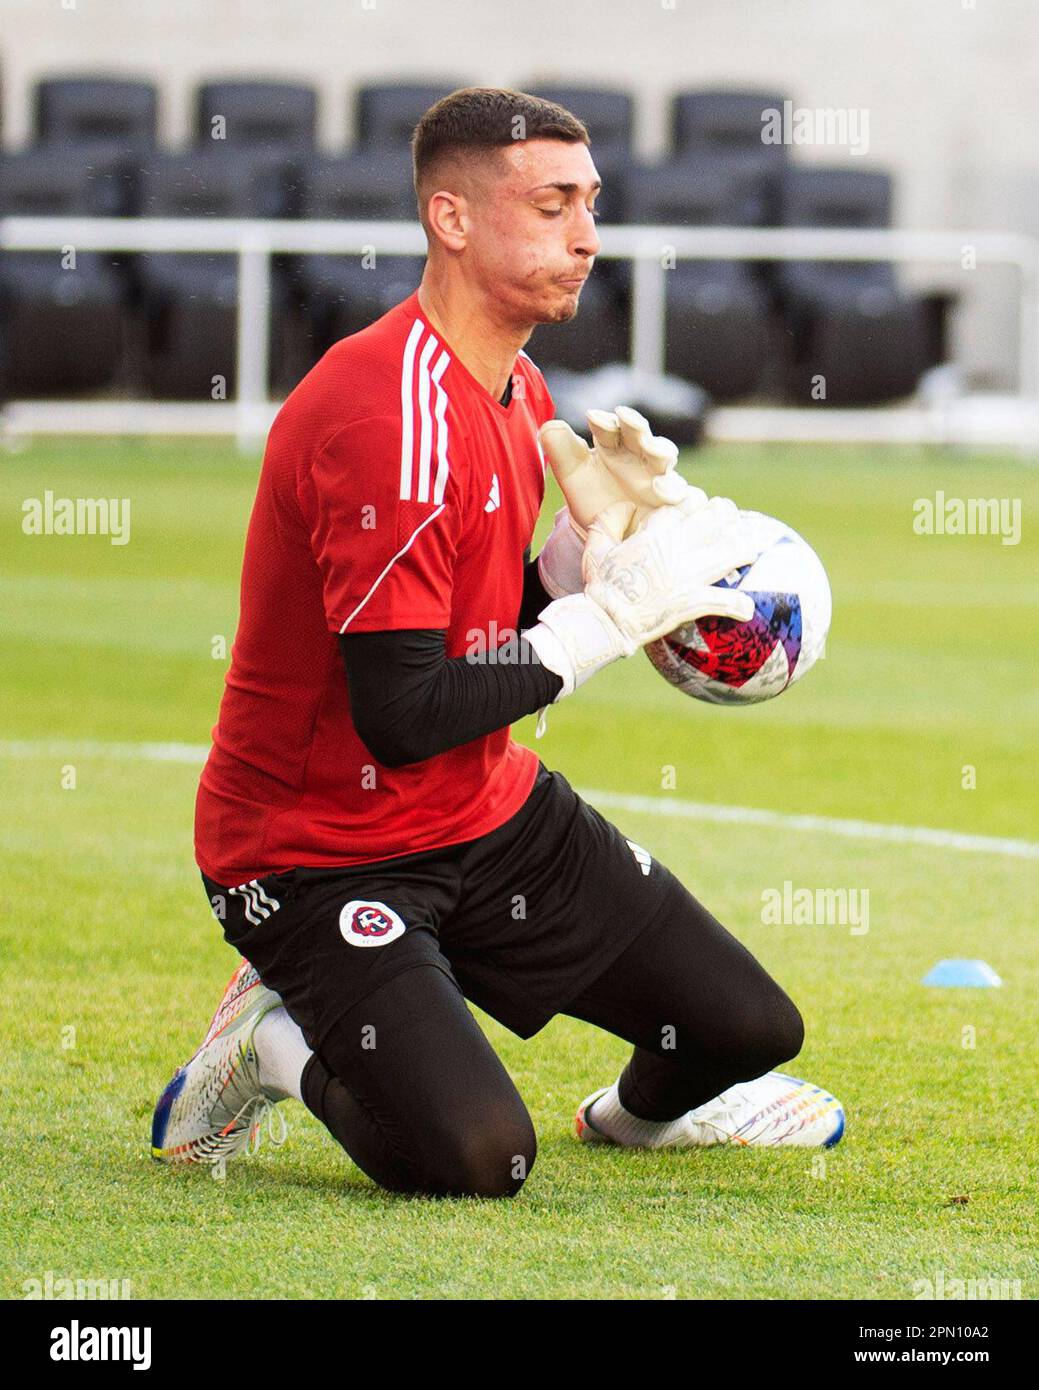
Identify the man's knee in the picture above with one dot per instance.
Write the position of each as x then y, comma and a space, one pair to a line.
775, 1034
765, 1030
485, 1155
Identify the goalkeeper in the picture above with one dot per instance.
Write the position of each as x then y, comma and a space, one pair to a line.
371, 839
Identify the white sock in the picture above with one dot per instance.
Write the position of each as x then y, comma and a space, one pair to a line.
609, 1117
282, 1053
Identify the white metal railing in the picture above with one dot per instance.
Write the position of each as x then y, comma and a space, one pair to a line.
254, 242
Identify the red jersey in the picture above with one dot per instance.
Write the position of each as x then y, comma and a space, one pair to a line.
395, 492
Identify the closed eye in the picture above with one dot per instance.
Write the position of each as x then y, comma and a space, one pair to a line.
558, 212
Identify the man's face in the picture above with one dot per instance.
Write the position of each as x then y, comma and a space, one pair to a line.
532, 238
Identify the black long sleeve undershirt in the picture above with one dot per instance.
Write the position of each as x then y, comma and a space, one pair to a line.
534, 596
409, 701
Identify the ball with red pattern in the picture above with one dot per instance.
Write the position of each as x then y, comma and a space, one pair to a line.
723, 661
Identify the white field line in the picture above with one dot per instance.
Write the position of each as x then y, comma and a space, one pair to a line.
822, 825
117, 752
676, 807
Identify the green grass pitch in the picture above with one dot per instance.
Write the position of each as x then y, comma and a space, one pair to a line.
112, 965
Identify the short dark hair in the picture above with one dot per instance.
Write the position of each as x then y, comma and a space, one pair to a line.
484, 119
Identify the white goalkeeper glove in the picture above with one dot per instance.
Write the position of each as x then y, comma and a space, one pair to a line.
643, 463
627, 473
643, 587
559, 560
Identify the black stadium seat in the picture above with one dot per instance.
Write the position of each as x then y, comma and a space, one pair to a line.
273, 123
112, 121
388, 112
84, 109
340, 293
696, 191
851, 325
190, 299
596, 335
729, 125
717, 313
609, 115
721, 122
64, 312
275, 115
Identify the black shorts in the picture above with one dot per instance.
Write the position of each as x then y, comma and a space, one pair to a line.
523, 919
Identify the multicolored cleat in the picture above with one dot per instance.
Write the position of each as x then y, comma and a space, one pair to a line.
775, 1109
215, 1107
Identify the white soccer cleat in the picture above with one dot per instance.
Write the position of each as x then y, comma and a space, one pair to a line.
215, 1107
773, 1110
586, 1132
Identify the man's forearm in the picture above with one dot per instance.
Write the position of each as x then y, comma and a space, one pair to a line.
409, 701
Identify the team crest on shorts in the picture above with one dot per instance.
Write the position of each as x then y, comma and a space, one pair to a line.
366, 923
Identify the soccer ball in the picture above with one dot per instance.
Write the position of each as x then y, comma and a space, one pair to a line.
730, 663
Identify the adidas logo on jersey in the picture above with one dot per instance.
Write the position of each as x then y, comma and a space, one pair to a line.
494, 500
643, 858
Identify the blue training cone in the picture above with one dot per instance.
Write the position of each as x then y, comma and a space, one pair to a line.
976, 974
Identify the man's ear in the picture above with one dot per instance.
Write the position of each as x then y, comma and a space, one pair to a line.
448, 217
